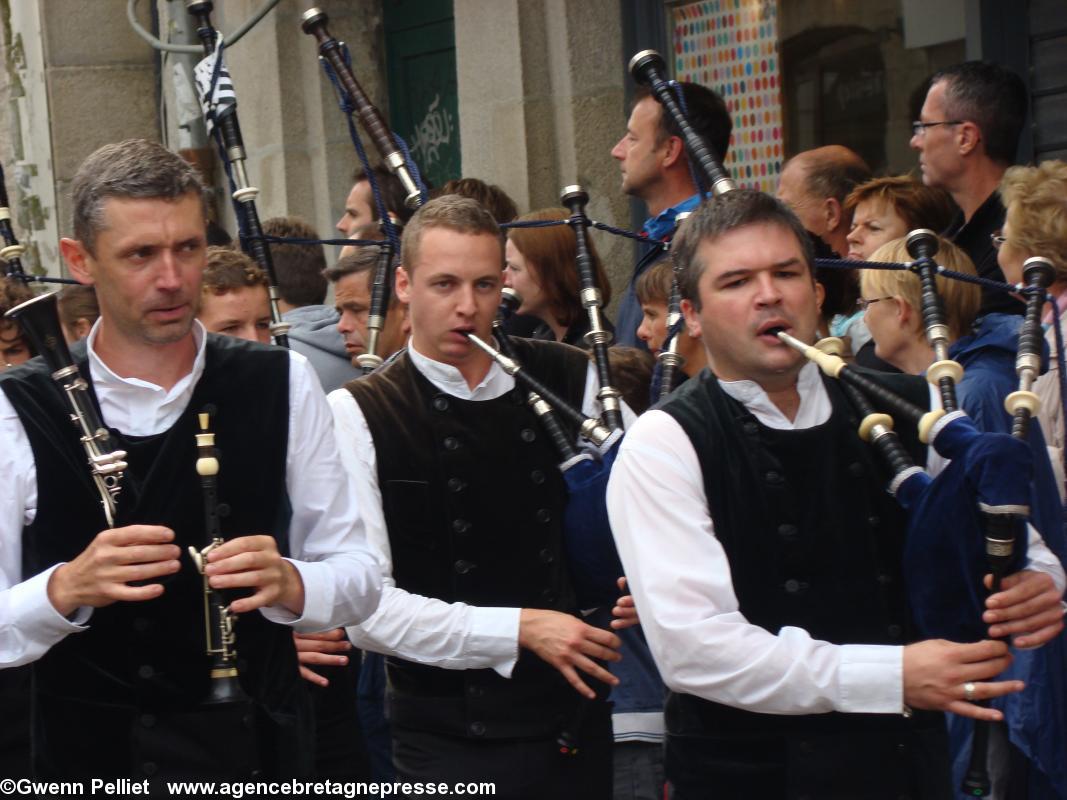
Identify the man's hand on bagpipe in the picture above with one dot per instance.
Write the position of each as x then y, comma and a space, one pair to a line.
1028, 608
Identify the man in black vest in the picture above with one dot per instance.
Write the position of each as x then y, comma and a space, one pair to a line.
463, 495
121, 696
764, 553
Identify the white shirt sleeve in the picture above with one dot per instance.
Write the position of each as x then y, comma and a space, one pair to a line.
29, 624
327, 537
681, 582
417, 628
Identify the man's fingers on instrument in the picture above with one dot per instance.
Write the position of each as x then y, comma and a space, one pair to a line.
603, 637
144, 572
1028, 607
144, 553
313, 677
137, 534
134, 594
1017, 587
1036, 638
332, 635
1030, 622
242, 544
322, 646
975, 652
621, 583
601, 652
318, 657
965, 709
262, 598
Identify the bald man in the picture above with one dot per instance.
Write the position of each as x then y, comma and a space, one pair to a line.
815, 183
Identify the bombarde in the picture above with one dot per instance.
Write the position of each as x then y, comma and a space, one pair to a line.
598, 338
648, 68
313, 22
39, 321
224, 126
219, 621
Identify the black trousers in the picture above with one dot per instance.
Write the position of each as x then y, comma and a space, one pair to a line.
522, 769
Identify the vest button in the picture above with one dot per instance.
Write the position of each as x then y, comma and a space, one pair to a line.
548, 596
140, 625
543, 515
788, 531
440, 403
475, 691
223, 510
451, 443
792, 586
456, 485
148, 720
463, 567
145, 671
894, 631
806, 747
855, 469
149, 767
884, 579
538, 477
750, 428
546, 556
477, 728
874, 520
527, 434
773, 477
460, 525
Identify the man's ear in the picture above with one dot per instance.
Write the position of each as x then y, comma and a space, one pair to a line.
692, 319
820, 295
403, 285
77, 258
832, 213
674, 152
968, 137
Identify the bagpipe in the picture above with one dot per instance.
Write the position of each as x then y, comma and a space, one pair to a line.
219, 102
970, 519
333, 56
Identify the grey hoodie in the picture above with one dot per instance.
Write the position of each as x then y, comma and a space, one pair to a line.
314, 335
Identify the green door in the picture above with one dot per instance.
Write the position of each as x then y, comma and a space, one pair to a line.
420, 52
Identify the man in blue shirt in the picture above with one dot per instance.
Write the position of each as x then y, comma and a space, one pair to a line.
655, 170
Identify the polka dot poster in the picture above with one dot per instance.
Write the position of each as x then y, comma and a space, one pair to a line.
731, 46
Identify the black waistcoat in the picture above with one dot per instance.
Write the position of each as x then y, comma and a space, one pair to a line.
113, 689
473, 501
814, 541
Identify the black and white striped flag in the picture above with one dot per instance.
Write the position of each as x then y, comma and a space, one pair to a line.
214, 86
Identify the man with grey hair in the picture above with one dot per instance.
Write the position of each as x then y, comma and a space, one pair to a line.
463, 496
771, 592
123, 696
967, 135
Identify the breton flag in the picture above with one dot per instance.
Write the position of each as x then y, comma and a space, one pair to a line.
213, 84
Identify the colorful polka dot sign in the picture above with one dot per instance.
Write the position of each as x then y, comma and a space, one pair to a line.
732, 46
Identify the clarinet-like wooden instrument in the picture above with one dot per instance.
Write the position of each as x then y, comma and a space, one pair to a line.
669, 358
313, 22
228, 130
219, 621
944, 373
598, 337
1002, 525
590, 429
39, 321
11, 252
649, 68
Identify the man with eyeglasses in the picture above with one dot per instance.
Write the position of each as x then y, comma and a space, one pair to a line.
967, 135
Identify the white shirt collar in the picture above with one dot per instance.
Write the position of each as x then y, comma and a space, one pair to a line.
450, 380
136, 406
814, 402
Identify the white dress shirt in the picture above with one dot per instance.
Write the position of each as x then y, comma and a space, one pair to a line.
326, 536
411, 626
680, 578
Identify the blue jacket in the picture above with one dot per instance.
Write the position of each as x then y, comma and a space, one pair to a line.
1037, 717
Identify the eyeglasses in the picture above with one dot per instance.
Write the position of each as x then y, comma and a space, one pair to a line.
863, 303
919, 128
997, 238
